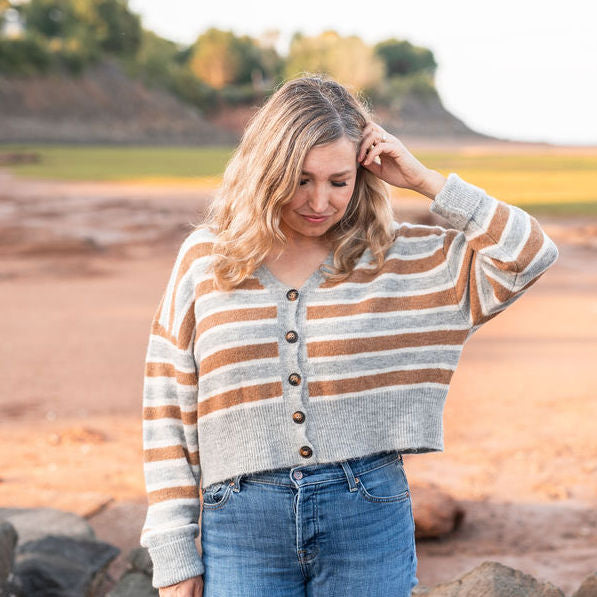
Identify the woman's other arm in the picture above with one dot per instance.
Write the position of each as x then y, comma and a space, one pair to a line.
171, 456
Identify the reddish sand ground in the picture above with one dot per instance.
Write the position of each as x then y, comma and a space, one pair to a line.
83, 267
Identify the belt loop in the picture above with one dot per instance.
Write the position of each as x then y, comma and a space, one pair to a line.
352, 486
236, 483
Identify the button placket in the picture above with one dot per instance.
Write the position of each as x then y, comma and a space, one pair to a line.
294, 375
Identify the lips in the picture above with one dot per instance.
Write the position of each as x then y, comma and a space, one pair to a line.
314, 219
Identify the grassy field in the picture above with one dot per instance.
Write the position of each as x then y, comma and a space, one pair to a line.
540, 182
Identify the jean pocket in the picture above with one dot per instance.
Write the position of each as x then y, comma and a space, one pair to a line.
387, 483
217, 494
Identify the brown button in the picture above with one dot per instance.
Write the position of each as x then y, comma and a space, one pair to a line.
298, 416
294, 379
306, 451
291, 336
292, 294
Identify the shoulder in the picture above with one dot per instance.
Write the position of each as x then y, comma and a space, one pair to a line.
412, 240
197, 244
407, 232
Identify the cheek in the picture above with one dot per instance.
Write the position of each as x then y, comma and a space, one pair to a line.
344, 200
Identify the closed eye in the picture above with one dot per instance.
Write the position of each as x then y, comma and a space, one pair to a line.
335, 184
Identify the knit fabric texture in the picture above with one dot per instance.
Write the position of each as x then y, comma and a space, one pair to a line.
266, 376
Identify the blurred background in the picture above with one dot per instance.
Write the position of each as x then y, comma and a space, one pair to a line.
116, 122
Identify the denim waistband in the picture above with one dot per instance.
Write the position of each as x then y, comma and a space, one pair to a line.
307, 474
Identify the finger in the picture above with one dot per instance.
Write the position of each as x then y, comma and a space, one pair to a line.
371, 134
372, 138
373, 167
366, 143
375, 151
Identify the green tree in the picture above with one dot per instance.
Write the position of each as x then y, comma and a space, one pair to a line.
403, 58
348, 59
162, 63
51, 18
91, 25
118, 29
220, 58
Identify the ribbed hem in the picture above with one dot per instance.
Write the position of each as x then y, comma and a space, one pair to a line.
407, 419
457, 201
175, 562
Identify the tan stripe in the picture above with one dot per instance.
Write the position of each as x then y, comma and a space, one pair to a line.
502, 294
157, 329
159, 369
158, 311
419, 231
195, 252
238, 355
170, 411
371, 382
239, 396
494, 230
532, 246
395, 266
359, 345
467, 278
187, 328
170, 453
383, 305
234, 315
173, 493
207, 286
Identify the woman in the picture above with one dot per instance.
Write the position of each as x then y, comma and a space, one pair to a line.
304, 342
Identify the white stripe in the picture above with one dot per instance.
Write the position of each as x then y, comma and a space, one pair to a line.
376, 334
224, 369
369, 372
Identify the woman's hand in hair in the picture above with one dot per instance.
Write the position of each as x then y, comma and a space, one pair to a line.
397, 166
192, 587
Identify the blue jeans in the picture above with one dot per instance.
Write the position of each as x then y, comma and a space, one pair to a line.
320, 530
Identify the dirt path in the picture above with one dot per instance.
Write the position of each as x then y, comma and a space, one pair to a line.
81, 273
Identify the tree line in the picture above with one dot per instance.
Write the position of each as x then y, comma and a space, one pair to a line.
218, 68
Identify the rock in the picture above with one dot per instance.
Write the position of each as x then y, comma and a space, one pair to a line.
492, 579
35, 523
133, 584
436, 513
8, 541
62, 566
140, 561
588, 588
9, 589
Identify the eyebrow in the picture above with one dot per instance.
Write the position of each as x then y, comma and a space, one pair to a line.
335, 173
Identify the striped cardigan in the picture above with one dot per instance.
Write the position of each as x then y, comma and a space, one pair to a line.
266, 376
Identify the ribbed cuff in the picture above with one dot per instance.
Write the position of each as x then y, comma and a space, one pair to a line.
175, 562
457, 201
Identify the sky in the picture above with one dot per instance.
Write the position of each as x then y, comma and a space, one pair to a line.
517, 69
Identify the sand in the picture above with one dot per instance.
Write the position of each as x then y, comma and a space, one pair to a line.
83, 267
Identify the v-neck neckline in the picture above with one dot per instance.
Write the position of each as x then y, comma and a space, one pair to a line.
269, 280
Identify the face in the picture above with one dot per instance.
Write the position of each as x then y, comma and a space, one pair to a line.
324, 191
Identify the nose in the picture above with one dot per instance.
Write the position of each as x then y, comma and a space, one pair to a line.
318, 200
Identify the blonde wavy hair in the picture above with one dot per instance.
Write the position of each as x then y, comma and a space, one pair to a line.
265, 170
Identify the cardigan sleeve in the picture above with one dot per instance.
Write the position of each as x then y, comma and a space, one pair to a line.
170, 444
494, 251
